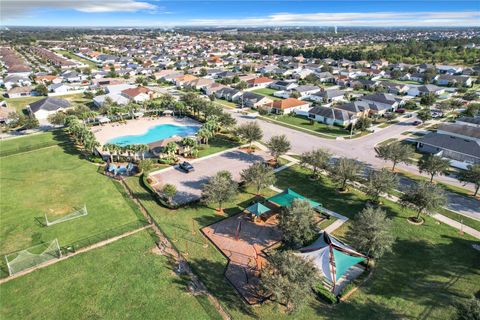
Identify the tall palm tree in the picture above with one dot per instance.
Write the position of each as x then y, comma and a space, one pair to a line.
143, 148
204, 134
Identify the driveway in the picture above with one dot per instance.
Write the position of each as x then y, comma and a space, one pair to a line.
189, 185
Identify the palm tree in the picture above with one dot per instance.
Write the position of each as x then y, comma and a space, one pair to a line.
142, 148
109, 148
204, 134
170, 149
189, 145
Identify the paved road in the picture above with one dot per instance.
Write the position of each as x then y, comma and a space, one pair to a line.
362, 149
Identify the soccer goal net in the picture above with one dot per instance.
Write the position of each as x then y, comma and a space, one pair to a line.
32, 256
73, 215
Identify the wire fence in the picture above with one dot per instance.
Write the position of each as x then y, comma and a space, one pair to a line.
26, 148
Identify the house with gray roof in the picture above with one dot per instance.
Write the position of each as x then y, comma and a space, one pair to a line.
332, 116
382, 102
457, 142
41, 109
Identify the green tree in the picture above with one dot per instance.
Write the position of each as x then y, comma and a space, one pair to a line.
250, 132
316, 160
219, 189
468, 309
395, 152
258, 176
170, 149
433, 165
471, 175
169, 191
380, 182
424, 198
289, 278
296, 223
424, 114
41, 89
278, 145
428, 99
57, 118
145, 165
345, 170
363, 123
372, 232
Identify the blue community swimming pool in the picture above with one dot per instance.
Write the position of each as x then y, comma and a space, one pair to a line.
156, 133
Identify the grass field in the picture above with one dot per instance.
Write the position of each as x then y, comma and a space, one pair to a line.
304, 123
72, 56
31, 142
123, 280
21, 103
267, 92
216, 144
55, 181
431, 264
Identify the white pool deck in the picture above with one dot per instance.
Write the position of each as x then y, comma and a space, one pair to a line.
139, 126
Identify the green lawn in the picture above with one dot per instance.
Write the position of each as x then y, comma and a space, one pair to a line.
72, 56
21, 103
472, 223
305, 123
431, 264
226, 103
216, 144
31, 142
267, 92
123, 280
56, 180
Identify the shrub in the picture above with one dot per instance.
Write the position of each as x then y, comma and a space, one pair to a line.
324, 294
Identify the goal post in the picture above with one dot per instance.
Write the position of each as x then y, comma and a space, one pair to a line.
33, 256
73, 215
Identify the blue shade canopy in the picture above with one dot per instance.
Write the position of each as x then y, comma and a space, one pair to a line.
286, 198
257, 209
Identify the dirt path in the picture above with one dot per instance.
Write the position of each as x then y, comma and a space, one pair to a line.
167, 249
82, 250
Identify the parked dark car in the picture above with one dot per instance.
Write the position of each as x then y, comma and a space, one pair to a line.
400, 111
417, 122
187, 167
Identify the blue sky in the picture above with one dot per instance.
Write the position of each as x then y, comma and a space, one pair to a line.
239, 13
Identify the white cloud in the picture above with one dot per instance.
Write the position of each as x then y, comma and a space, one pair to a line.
380, 19
18, 8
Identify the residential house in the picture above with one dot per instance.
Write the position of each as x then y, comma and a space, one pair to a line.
199, 83
457, 142
365, 84
332, 116
18, 92
41, 109
138, 94
382, 102
469, 121
305, 91
6, 113
449, 80
228, 93
359, 108
213, 88
451, 70
328, 96
289, 105
420, 90
253, 100
13, 80
260, 82
395, 88
283, 85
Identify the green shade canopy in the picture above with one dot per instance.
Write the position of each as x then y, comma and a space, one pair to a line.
343, 262
285, 199
257, 209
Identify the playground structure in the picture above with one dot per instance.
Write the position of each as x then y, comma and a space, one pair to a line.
242, 242
119, 170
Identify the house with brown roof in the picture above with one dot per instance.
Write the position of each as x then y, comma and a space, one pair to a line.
182, 79
18, 92
138, 94
199, 83
260, 82
289, 105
